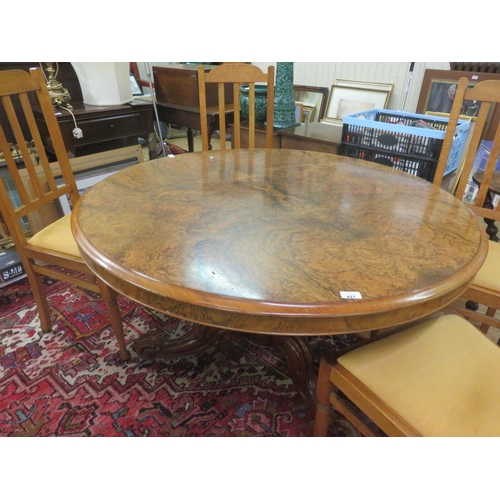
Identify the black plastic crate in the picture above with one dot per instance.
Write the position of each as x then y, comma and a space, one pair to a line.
406, 141
420, 167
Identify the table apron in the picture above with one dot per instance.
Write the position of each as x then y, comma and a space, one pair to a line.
277, 323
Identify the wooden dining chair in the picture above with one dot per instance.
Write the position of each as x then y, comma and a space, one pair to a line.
440, 377
52, 251
237, 74
485, 289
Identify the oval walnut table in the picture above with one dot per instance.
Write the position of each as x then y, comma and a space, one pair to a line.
277, 242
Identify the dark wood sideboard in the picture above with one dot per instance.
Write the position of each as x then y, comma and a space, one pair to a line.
103, 127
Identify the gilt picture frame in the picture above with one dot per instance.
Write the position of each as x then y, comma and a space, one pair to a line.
387, 87
348, 100
308, 113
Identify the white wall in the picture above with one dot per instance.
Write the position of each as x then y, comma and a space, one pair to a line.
323, 74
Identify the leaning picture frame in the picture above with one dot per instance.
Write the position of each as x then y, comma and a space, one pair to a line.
88, 177
299, 109
135, 87
388, 87
310, 96
308, 113
436, 76
82, 185
440, 98
347, 100
458, 172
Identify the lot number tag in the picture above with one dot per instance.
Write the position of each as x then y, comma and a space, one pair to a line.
350, 295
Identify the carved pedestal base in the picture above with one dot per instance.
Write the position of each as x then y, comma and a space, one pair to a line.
191, 344
341, 427
297, 350
300, 362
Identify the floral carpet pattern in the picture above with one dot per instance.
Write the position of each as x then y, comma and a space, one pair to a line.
70, 382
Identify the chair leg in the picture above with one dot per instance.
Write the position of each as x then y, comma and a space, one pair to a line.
42, 305
491, 311
110, 298
323, 407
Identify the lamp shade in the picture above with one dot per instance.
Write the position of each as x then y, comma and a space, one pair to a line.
104, 83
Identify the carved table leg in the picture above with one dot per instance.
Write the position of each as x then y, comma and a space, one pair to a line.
491, 228
341, 427
212, 127
193, 343
190, 140
300, 360
491, 231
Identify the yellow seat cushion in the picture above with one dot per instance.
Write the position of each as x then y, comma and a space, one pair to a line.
57, 236
442, 377
489, 274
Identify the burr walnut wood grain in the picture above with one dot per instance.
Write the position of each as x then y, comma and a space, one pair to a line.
264, 241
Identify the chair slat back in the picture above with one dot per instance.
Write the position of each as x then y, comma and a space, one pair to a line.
238, 74
19, 92
488, 94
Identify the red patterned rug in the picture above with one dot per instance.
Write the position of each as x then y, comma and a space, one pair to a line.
70, 382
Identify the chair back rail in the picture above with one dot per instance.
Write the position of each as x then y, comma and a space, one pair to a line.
237, 74
30, 88
484, 289
488, 93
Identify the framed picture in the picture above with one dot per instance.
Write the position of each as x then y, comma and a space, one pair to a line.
387, 87
347, 100
135, 87
312, 97
437, 87
441, 95
14, 199
87, 178
308, 113
453, 182
299, 107
82, 185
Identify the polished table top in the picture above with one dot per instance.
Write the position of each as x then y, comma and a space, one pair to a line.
267, 241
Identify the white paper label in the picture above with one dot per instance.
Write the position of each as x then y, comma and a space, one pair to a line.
350, 295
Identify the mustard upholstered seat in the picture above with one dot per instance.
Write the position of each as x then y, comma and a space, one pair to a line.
57, 237
438, 378
489, 274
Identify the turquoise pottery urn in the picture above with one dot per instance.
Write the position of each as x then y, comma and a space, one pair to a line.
260, 103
